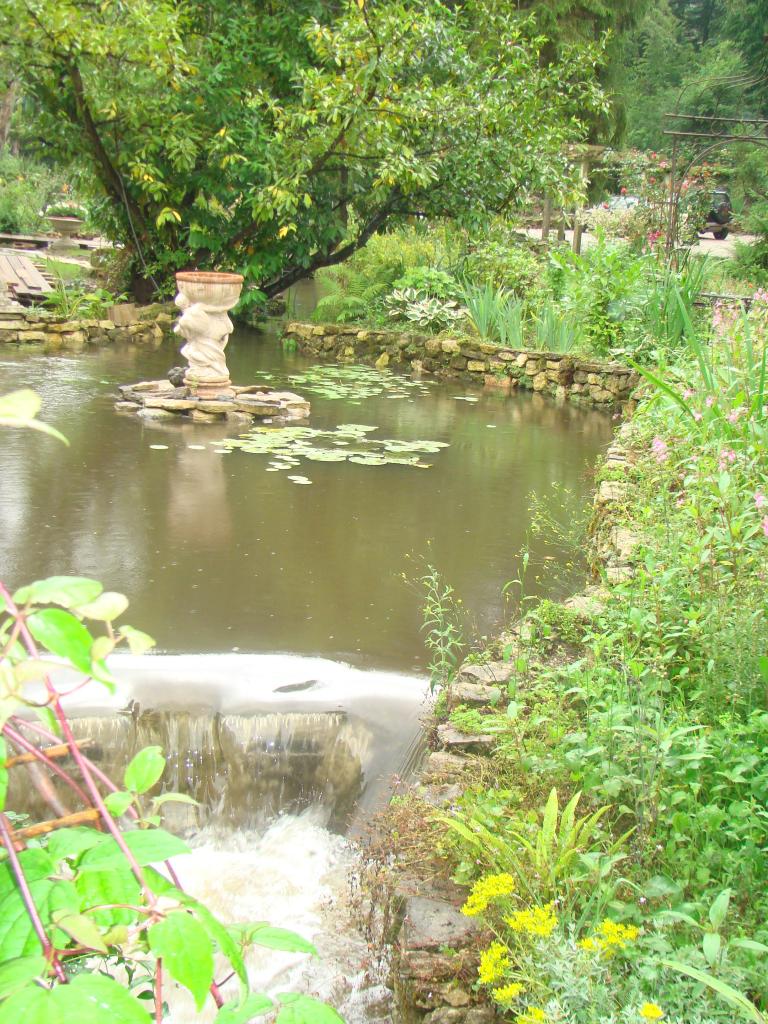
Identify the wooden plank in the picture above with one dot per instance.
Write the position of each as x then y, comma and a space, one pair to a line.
22, 277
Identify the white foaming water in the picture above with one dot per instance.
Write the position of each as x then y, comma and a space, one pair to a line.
232, 724
294, 875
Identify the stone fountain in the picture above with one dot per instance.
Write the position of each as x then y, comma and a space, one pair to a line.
206, 393
204, 300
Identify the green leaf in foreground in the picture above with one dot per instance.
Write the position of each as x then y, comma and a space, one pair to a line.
14, 974
298, 1009
729, 994
187, 952
148, 847
144, 770
105, 608
278, 938
64, 635
118, 803
19, 409
87, 999
67, 591
138, 642
252, 1006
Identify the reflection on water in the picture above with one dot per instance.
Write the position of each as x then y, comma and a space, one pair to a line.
217, 554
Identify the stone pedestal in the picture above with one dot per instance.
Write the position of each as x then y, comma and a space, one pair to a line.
66, 228
204, 298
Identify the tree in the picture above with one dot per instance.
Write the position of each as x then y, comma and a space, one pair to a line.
276, 137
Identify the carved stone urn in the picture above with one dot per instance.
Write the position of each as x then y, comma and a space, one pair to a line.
66, 228
204, 299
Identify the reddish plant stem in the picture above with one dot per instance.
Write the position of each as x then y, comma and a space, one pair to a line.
29, 903
159, 990
18, 740
78, 757
218, 998
94, 769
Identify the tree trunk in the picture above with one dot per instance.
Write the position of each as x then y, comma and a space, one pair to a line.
7, 104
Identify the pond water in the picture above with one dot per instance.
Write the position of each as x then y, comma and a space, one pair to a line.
290, 680
217, 554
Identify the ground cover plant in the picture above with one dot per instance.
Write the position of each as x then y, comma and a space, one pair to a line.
617, 847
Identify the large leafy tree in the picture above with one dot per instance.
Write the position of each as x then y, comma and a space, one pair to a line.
276, 136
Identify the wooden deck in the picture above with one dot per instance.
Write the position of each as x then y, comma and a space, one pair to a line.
21, 278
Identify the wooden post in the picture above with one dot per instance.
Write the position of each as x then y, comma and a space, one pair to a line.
577, 226
546, 217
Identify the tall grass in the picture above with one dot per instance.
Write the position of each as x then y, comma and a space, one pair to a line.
556, 330
496, 313
730, 398
671, 302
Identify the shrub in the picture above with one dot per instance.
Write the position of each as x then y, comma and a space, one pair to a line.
428, 313
25, 189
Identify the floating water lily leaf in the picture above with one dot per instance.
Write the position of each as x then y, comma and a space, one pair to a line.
368, 460
323, 455
355, 383
299, 479
285, 447
159, 447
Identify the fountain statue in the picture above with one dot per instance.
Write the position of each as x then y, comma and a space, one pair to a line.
203, 391
204, 300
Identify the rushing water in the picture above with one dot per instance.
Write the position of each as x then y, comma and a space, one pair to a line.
292, 685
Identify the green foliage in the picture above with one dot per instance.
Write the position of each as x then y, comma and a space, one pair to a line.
95, 891
442, 627
413, 307
557, 330
280, 144
71, 302
20, 409
660, 721
25, 189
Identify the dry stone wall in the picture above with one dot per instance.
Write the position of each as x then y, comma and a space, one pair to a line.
564, 376
435, 948
19, 326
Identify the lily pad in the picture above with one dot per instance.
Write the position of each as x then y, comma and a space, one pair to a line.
349, 442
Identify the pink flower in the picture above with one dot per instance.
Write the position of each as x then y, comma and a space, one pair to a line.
735, 414
688, 393
727, 457
710, 401
760, 500
660, 449
698, 416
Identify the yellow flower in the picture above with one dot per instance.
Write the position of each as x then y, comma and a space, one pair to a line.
493, 962
650, 1011
610, 937
532, 1015
507, 993
536, 921
485, 890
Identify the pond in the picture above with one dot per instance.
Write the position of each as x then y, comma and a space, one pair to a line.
217, 554
290, 678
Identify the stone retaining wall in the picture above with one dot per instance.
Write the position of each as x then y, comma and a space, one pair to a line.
564, 376
32, 326
435, 949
